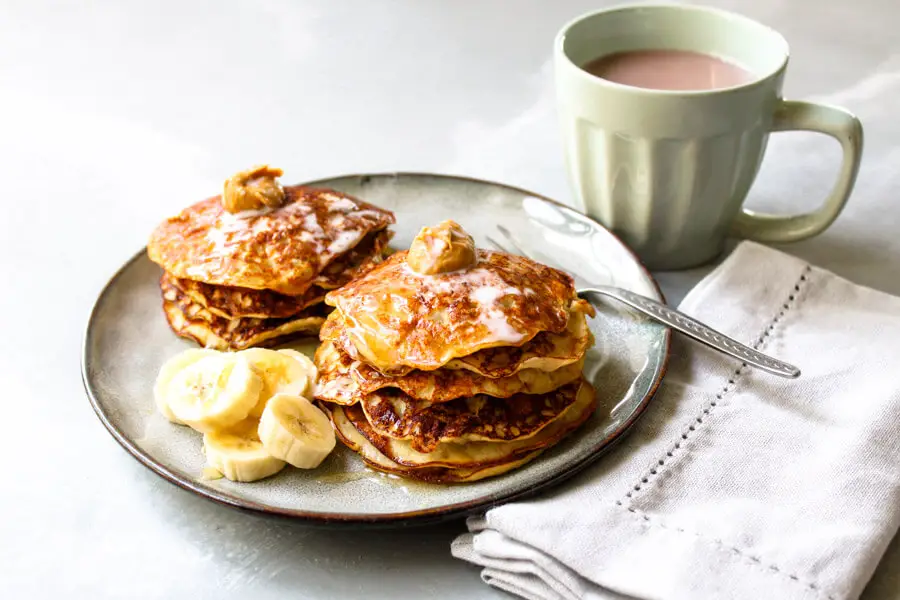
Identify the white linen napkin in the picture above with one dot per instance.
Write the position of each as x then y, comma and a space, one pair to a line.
735, 483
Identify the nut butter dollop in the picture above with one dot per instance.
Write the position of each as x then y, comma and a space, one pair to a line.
253, 189
443, 248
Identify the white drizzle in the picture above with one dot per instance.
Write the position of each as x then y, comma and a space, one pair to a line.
311, 224
339, 204
486, 288
343, 241
492, 316
236, 228
488, 295
367, 212
497, 323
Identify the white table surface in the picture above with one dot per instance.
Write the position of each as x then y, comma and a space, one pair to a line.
116, 114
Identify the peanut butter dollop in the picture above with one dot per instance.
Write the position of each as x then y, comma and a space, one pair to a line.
443, 248
253, 189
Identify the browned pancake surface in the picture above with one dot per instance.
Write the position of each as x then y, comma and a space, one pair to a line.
474, 453
376, 460
393, 414
546, 351
397, 318
344, 380
283, 249
191, 320
232, 302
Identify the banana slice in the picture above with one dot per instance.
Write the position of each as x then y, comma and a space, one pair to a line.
215, 392
169, 369
238, 454
311, 372
280, 373
294, 430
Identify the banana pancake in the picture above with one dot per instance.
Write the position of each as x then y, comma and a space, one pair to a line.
544, 352
477, 453
283, 247
480, 418
343, 380
444, 299
474, 454
376, 460
232, 302
191, 320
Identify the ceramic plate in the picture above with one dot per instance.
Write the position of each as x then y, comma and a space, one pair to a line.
127, 340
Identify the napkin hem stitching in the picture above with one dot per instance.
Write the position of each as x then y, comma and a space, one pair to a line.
812, 586
791, 302
760, 341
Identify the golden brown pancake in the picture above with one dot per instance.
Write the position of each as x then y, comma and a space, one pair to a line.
470, 455
191, 320
233, 302
284, 249
343, 380
376, 460
544, 352
396, 317
480, 418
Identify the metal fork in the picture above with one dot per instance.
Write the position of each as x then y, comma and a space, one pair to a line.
676, 320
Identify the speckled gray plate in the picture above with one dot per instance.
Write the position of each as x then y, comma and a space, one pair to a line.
127, 340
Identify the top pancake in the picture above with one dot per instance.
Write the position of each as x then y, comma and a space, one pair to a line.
544, 352
397, 318
282, 249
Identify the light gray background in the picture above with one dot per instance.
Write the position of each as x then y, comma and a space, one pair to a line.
116, 114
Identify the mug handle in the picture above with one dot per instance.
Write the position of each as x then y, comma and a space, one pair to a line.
806, 116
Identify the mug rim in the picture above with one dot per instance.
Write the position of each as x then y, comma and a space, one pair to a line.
558, 46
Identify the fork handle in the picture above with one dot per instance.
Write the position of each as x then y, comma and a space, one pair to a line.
694, 329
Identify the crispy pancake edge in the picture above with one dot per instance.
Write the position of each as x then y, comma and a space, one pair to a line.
232, 302
374, 459
211, 331
570, 420
484, 361
476, 419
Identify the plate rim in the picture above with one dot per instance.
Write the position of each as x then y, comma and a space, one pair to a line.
411, 517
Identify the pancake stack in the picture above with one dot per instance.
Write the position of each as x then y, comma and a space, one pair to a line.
252, 267
449, 363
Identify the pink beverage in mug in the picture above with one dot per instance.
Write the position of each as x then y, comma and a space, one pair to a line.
668, 70
665, 113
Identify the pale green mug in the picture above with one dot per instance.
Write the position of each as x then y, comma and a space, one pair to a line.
668, 171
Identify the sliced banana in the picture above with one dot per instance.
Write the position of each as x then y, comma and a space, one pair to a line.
215, 392
294, 430
238, 454
169, 369
281, 373
312, 373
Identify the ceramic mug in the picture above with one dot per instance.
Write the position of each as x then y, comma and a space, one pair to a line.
668, 171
